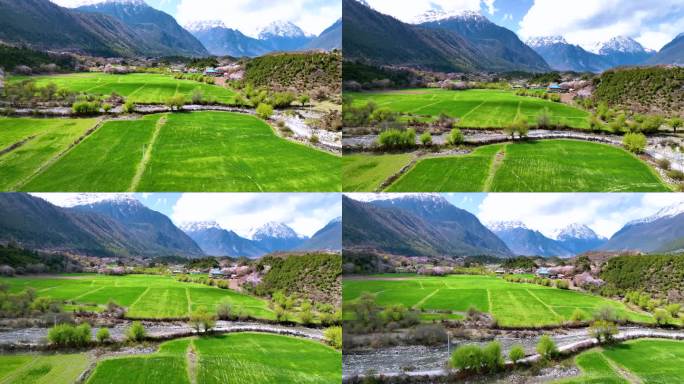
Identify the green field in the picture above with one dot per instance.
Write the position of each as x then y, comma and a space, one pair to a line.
362, 173
145, 296
142, 88
540, 166
201, 151
639, 361
231, 359
512, 304
41, 369
475, 108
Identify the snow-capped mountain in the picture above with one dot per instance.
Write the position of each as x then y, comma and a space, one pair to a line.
281, 28
578, 238
499, 226
81, 199
216, 241
197, 226
434, 15
82, 3
197, 26
669, 211
273, 230
622, 50
369, 197
524, 241
545, 41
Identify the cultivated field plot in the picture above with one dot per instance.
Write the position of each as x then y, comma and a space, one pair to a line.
642, 361
512, 304
541, 166
233, 358
475, 108
361, 173
41, 369
199, 151
140, 88
35, 142
145, 296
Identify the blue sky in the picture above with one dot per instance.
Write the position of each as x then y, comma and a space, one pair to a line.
605, 213
249, 16
653, 23
306, 213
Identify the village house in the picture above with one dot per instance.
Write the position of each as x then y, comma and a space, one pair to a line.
216, 273
555, 88
213, 72
543, 272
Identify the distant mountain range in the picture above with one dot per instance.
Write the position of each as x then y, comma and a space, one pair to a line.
570, 241
417, 225
119, 225
671, 53
112, 28
271, 237
436, 44
277, 36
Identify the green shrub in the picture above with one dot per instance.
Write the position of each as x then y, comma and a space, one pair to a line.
467, 358
491, 356
136, 332
175, 102
86, 107
333, 336
107, 107
544, 119
675, 174
224, 311
197, 96
455, 137
603, 330
397, 139
516, 353
562, 284
634, 142
129, 107
662, 316
264, 111
673, 309
664, 164
202, 319
426, 138
306, 317
103, 335
546, 347
577, 316
67, 335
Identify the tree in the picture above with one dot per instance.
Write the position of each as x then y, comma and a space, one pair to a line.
426, 139
333, 336
304, 100
516, 353
175, 102
264, 111
634, 142
224, 311
544, 119
202, 320
603, 330
521, 126
197, 96
103, 335
546, 347
606, 313
676, 123
136, 332
455, 137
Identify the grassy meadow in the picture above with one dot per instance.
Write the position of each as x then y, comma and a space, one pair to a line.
475, 108
200, 151
42, 369
144, 296
361, 173
512, 304
647, 361
140, 88
233, 358
543, 166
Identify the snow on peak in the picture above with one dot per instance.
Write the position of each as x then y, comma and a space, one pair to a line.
82, 3
370, 197
576, 231
204, 25
439, 15
670, 211
500, 226
545, 41
622, 44
281, 29
273, 230
80, 199
338, 219
197, 226
364, 2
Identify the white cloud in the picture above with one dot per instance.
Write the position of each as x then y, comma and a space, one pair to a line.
508, 17
408, 10
584, 22
605, 213
306, 213
250, 16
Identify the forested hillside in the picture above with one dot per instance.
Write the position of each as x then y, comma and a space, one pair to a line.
315, 276
646, 90
660, 275
302, 71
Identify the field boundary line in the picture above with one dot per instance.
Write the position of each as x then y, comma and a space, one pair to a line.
17, 145
473, 110
187, 296
51, 161
544, 304
10, 378
142, 166
489, 300
140, 297
87, 293
191, 361
497, 161
424, 299
622, 371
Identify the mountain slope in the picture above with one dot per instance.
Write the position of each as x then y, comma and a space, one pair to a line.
663, 232
283, 36
379, 39
526, 242
220, 40
578, 238
416, 226
562, 56
327, 238
329, 39
276, 237
34, 223
623, 51
160, 32
216, 241
502, 48
672, 53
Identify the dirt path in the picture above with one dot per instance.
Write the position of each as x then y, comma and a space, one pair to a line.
16, 145
140, 171
192, 362
494, 167
620, 370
